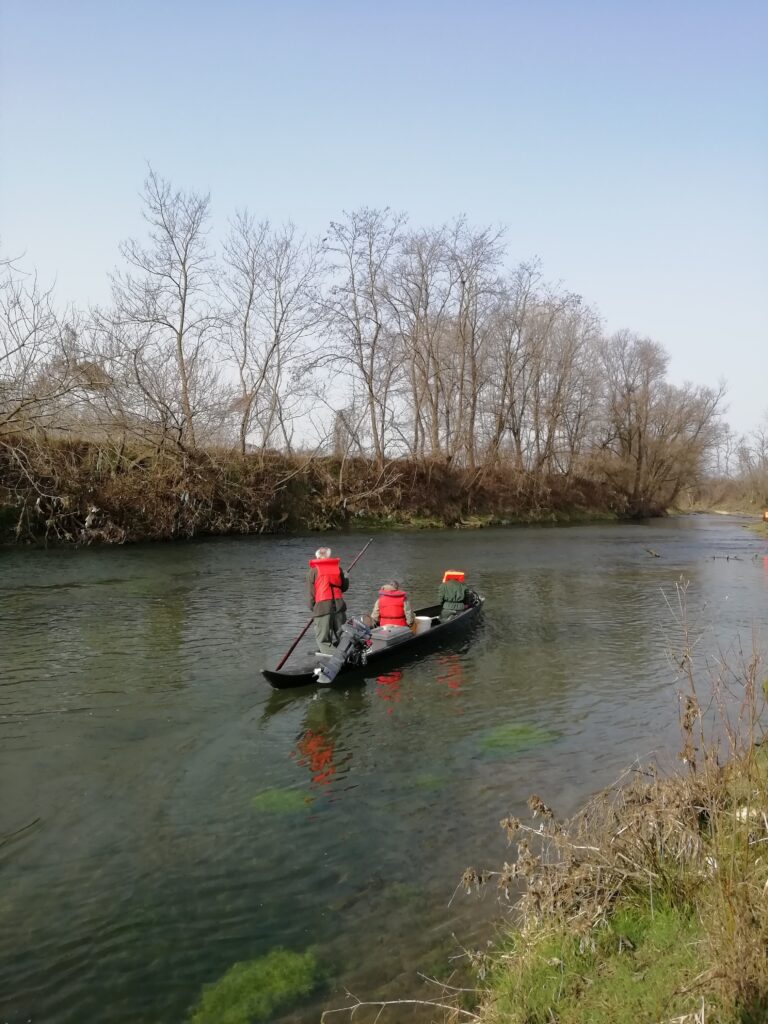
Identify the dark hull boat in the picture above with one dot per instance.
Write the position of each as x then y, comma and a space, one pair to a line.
387, 648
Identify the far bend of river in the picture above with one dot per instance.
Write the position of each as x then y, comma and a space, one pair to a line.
136, 731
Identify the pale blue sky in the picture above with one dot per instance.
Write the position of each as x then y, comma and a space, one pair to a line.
625, 143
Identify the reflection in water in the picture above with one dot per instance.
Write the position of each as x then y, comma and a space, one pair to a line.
450, 674
324, 743
315, 750
388, 688
319, 747
136, 732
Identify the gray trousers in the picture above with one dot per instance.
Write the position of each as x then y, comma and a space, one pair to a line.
327, 630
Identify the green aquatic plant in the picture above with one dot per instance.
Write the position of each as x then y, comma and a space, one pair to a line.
513, 737
280, 801
255, 990
403, 893
427, 781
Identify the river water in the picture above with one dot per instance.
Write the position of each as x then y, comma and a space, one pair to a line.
164, 813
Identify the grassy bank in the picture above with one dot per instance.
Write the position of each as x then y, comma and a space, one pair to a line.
70, 491
651, 905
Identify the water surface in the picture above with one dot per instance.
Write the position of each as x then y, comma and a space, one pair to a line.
166, 814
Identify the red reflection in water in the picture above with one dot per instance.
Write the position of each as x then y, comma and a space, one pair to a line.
388, 688
453, 676
315, 750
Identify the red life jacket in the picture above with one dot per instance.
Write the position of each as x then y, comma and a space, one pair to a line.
392, 608
328, 579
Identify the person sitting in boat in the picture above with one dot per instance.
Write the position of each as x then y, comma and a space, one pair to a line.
392, 607
326, 582
453, 593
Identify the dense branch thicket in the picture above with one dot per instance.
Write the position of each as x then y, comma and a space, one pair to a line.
379, 342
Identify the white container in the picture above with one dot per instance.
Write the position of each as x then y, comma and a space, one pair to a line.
423, 623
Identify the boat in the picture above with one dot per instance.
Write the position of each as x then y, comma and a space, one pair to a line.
387, 645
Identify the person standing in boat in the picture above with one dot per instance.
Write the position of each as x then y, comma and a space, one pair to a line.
452, 594
326, 582
392, 607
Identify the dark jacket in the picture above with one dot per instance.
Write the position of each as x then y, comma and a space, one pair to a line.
452, 595
325, 607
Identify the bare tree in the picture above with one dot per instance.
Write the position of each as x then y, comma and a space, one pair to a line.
513, 353
422, 295
163, 311
476, 255
561, 387
362, 249
31, 339
421, 338
271, 306
726, 455
655, 436
753, 464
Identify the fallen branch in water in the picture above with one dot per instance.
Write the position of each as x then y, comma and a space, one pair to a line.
384, 1004
12, 835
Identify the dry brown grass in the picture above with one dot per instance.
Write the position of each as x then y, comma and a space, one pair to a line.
691, 845
66, 490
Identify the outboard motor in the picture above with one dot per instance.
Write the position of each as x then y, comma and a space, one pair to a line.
351, 645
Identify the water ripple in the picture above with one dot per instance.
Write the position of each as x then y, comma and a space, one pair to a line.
137, 732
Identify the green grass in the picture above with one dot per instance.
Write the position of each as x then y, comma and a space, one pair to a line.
635, 969
255, 990
656, 913
515, 737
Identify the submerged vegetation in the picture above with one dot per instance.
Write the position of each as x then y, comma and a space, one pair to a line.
515, 737
256, 990
280, 801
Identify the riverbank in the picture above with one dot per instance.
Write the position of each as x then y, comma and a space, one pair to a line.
649, 905
78, 493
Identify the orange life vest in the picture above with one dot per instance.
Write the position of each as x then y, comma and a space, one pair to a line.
328, 579
392, 608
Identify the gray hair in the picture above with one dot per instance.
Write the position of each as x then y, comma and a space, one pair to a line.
391, 585
323, 553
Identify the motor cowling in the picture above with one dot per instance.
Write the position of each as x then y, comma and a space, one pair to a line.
353, 639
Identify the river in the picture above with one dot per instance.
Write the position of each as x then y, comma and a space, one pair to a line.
164, 813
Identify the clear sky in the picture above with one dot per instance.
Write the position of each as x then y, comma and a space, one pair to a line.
624, 142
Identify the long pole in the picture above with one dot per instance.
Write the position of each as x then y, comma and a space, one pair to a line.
293, 646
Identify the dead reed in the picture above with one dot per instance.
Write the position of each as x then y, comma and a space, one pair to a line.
650, 904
